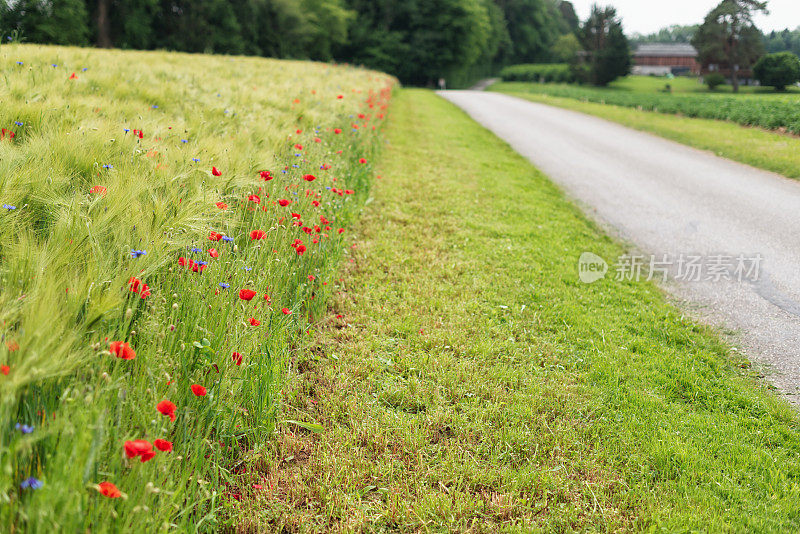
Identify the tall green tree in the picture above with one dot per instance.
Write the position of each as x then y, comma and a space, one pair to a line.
420, 40
607, 53
533, 27
62, 22
729, 38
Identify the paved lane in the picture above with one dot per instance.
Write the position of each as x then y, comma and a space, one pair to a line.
692, 206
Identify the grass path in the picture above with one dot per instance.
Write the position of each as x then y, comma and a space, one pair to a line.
466, 381
753, 146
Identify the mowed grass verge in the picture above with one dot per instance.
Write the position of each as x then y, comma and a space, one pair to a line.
465, 380
760, 148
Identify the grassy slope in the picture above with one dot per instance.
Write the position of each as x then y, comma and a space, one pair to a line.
65, 262
474, 384
753, 146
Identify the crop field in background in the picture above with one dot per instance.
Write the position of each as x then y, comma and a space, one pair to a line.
765, 110
170, 227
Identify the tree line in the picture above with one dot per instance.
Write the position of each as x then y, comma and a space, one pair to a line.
417, 40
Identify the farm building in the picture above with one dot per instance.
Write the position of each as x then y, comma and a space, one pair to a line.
665, 58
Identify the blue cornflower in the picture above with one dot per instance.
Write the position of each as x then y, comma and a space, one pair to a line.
196, 160
155, 106
9, 207
226, 111
226, 238
248, 268
138, 253
54, 65
284, 171
201, 262
9, 38
184, 140
32, 483
84, 69
108, 166
127, 130
195, 249
25, 429
223, 285
18, 123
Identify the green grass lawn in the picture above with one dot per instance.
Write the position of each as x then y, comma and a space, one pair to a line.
760, 148
686, 84
465, 380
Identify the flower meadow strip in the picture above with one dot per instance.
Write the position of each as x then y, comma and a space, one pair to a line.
171, 225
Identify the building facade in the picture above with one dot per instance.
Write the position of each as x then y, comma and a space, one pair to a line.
660, 59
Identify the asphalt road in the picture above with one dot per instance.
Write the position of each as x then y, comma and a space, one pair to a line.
707, 220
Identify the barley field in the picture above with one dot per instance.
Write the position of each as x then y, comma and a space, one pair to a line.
171, 226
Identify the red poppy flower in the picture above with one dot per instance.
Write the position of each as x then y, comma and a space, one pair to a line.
309, 177
214, 236
296, 216
163, 445
341, 230
182, 261
166, 407
317, 140
73, 76
254, 322
247, 294
137, 447
215, 172
266, 176
337, 131
286, 311
362, 161
300, 249
257, 234
237, 358
340, 97
107, 489
98, 190
254, 198
5, 369
198, 390
222, 205
311, 277
213, 253
122, 350
283, 202
298, 146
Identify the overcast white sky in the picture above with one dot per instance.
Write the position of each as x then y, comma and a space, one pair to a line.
648, 16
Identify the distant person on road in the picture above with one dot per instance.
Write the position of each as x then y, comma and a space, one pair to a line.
442, 84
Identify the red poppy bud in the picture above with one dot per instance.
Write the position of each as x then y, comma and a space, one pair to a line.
237, 358
137, 448
163, 445
107, 489
166, 407
247, 294
122, 350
